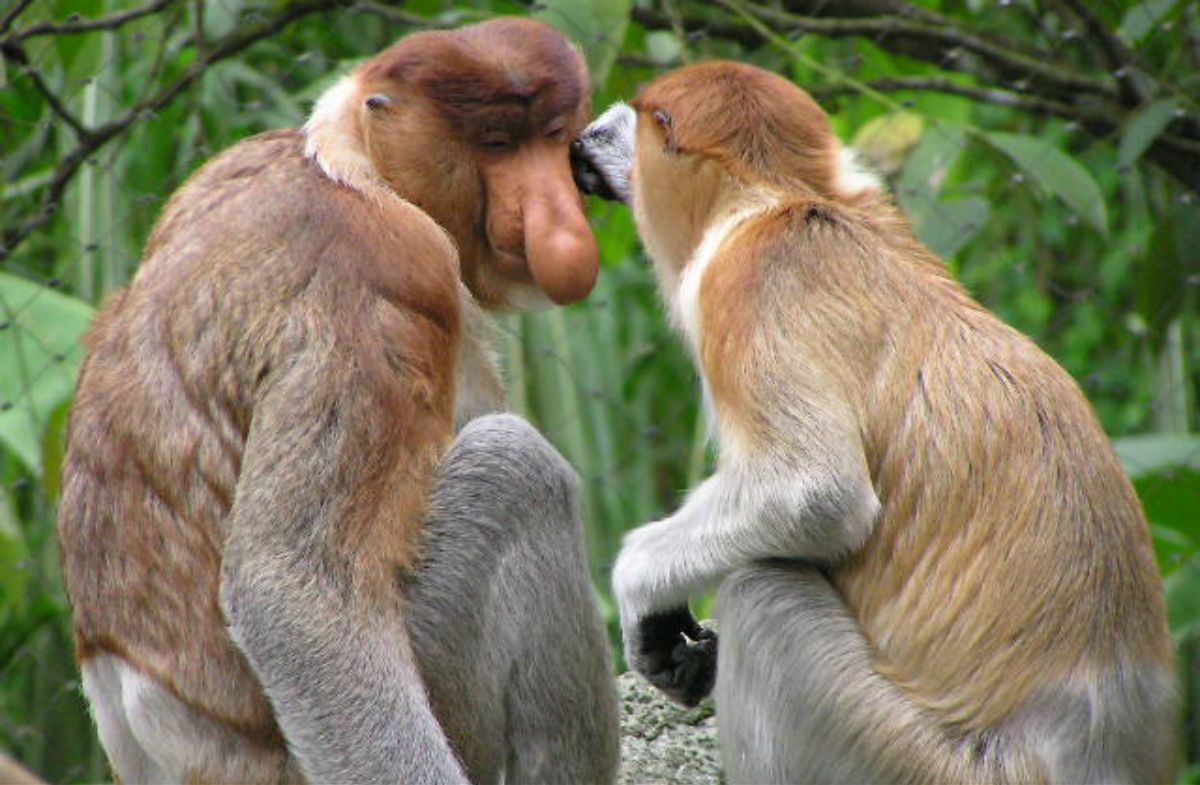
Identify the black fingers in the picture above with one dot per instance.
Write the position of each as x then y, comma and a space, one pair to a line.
676, 655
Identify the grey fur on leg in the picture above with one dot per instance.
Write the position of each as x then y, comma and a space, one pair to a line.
784, 635
350, 715
522, 674
799, 700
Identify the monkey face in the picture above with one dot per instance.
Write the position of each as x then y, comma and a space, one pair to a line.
474, 126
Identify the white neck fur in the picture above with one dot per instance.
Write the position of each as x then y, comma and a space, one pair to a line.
685, 304
334, 138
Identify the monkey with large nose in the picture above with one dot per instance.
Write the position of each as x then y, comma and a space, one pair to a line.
295, 547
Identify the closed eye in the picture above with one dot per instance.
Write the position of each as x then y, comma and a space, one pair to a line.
495, 140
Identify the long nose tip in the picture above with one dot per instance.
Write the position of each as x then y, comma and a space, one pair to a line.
563, 256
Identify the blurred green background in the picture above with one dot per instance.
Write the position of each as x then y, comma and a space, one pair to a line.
1049, 150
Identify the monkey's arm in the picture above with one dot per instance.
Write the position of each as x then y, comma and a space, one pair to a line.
792, 481
315, 612
766, 507
794, 507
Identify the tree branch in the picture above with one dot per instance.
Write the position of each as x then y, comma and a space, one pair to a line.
1120, 58
912, 33
941, 84
940, 44
854, 9
56, 104
72, 25
228, 46
12, 15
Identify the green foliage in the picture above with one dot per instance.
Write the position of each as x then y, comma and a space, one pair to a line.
1057, 172
40, 350
1144, 127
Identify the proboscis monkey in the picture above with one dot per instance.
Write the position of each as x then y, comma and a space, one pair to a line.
931, 566
284, 565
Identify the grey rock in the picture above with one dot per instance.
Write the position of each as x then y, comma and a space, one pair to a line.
662, 742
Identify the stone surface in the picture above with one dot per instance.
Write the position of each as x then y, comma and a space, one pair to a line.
662, 742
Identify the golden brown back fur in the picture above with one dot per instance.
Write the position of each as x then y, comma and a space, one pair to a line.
156, 455
997, 483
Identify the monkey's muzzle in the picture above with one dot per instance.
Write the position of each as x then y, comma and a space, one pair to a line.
588, 178
602, 156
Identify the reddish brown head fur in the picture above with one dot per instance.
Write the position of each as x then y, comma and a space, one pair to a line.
702, 110
477, 135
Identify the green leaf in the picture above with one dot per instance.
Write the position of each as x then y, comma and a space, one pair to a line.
1142, 18
221, 18
1057, 172
1144, 128
1163, 270
81, 55
928, 164
597, 25
1183, 601
663, 47
886, 140
1171, 499
947, 226
1152, 453
14, 575
40, 350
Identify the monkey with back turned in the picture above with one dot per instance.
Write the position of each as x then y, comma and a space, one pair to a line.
931, 566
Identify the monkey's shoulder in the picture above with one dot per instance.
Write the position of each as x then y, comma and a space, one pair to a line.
264, 218
798, 239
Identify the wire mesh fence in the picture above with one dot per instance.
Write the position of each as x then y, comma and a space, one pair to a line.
1041, 148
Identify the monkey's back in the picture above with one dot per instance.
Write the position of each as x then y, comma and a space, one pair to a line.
1000, 488
1011, 561
255, 258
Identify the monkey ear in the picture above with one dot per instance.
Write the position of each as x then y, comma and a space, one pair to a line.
378, 101
663, 120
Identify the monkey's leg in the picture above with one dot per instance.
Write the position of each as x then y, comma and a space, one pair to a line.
798, 699
150, 735
503, 618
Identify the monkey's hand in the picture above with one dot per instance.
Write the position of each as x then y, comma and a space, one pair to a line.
602, 157
674, 653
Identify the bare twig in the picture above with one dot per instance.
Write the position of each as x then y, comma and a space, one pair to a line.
56, 104
394, 15
896, 9
11, 16
942, 41
941, 84
1120, 58
110, 22
939, 44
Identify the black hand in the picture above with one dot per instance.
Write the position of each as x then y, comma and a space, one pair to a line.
675, 654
